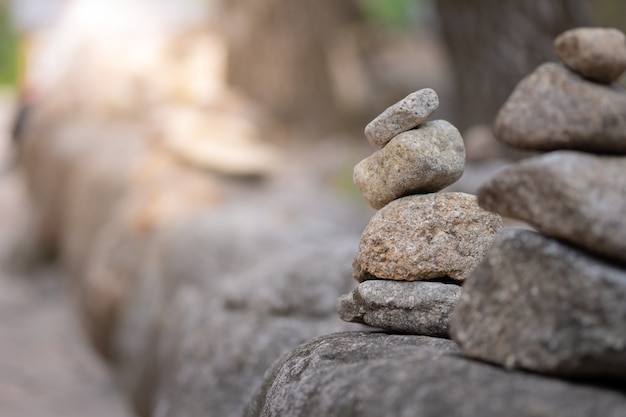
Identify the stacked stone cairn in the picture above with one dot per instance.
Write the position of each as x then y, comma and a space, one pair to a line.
554, 301
420, 246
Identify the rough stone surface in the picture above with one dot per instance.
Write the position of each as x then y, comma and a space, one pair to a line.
199, 251
406, 114
568, 195
554, 108
424, 237
537, 304
419, 161
374, 375
408, 307
596, 53
216, 345
300, 281
216, 256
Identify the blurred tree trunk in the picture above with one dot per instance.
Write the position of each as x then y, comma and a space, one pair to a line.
494, 43
278, 52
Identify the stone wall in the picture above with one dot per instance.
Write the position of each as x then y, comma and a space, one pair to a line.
190, 282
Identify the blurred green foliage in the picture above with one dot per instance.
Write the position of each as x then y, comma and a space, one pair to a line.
8, 49
393, 13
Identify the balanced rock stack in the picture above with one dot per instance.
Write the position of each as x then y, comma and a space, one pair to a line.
420, 245
555, 301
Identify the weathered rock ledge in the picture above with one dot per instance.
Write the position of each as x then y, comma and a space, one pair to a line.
369, 374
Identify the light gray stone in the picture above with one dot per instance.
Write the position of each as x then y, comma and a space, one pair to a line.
537, 304
554, 108
198, 253
277, 238
423, 237
417, 307
374, 375
568, 195
595, 53
404, 115
216, 344
419, 161
302, 281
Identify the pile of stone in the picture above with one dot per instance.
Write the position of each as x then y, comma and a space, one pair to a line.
554, 301
420, 245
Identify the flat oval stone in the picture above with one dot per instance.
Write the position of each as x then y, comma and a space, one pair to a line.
595, 53
419, 161
406, 114
572, 196
553, 108
418, 307
423, 237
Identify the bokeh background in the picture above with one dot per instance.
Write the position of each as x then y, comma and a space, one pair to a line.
215, 94
318, 63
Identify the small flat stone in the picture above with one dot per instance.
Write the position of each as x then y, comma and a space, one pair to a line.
406, 114
568, 195
554, 108
538, 304
423, 160
424, 237
418, 307
595, 53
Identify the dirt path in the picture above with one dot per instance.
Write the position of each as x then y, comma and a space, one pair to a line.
46, 366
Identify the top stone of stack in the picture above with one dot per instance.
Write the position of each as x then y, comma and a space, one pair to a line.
595, 53
416, 157
410, 112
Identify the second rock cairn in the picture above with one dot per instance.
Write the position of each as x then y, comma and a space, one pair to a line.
552, 301
420, 246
